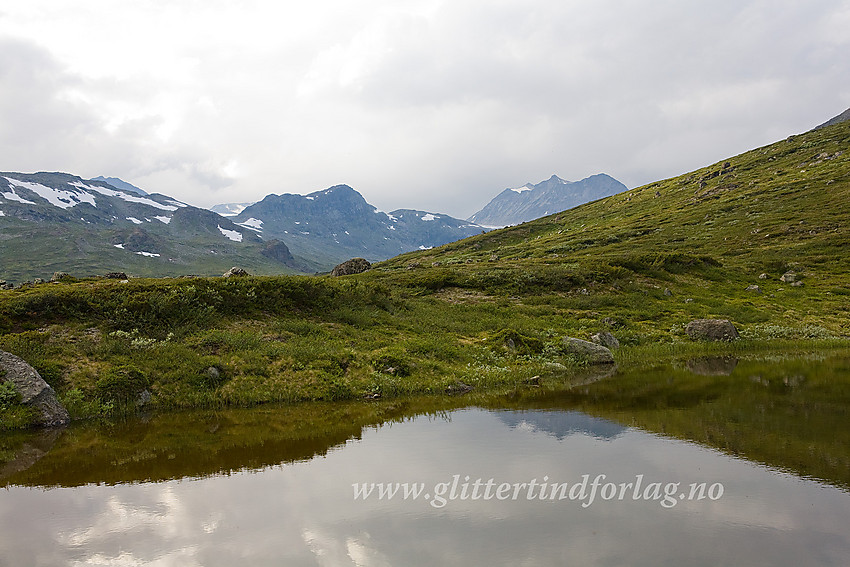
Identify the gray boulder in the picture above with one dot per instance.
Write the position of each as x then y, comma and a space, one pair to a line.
711, 330
353, 266
754, 287
591, 352
788, 277
234, 271
33, 389
605, 339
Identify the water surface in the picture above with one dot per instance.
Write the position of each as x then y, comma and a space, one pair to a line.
275, 485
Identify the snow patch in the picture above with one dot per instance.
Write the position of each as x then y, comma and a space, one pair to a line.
134, 220
126, 197
177, 203
12, 196
391, 227
428, 217
392, 218
120, 246
423, 247
148, 254
56, 197
310, 198
231, 234
164, 220
2, 214
253, 224
523, 189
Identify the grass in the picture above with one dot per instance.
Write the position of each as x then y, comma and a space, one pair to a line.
640, 265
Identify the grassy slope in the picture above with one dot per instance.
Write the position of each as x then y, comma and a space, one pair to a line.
423, 322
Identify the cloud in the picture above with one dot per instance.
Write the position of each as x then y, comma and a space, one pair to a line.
428, 104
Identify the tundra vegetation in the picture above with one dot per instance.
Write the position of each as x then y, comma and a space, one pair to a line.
758, 239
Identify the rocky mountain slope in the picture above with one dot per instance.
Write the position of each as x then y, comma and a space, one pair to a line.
531, 201
337, 223
60, 222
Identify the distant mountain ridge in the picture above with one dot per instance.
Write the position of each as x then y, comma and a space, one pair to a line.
337, 223
61, 222
532, 201
119, 184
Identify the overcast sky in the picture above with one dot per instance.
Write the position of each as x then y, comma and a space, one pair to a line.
427, 104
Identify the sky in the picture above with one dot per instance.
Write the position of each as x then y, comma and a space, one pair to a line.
427, 104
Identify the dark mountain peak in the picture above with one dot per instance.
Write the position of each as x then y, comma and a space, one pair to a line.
556, 179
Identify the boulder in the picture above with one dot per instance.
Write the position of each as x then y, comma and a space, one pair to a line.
235, 272
591, 352
353, 266
605, 339
754, 288
116, 276
34, 391
59, 276
711, 330
788, 277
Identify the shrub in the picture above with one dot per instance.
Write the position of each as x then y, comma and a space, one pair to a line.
122, 384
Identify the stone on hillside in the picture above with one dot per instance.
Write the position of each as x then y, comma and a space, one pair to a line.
796, 284
711, 330
59, 276
592, 353
788, 277
353, 266
34, 391
754, 288
38, 281
763, 276
605, 339
116, 276
235, 272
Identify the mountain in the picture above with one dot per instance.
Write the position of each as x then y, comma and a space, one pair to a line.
515, 206
60, 222
119, 184
337, 223
230, 209
843, 117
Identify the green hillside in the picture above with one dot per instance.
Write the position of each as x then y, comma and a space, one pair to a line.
706, 236
489, 312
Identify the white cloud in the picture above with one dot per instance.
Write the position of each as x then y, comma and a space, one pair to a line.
427, 104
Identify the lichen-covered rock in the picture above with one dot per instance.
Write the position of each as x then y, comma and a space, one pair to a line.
711, 330
353, 266
34, 391
591, 352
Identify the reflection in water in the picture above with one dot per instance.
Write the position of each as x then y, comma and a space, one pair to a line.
562, 424
712, 365
275, 485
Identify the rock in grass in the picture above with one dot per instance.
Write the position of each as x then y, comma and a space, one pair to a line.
353, 266
788, 277
605, 339
59, 276
116, 276
754, 288
711, 330
592, 353
235, 272
34, 391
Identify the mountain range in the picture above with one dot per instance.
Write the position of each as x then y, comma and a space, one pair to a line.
60, 222
532, 201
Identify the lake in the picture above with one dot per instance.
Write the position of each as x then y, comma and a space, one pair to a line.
711, 461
